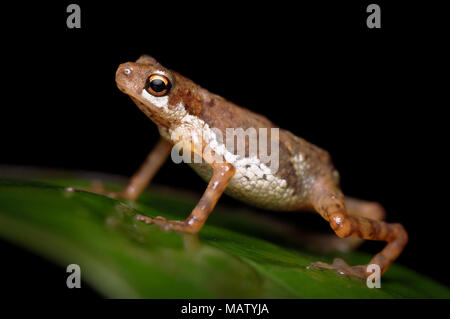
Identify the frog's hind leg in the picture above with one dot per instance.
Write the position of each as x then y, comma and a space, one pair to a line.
329, 202
362, 208
326, 243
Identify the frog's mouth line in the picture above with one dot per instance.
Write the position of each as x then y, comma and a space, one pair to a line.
122, 88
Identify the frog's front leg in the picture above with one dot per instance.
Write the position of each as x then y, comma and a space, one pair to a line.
222, 173
329, 202
139, 181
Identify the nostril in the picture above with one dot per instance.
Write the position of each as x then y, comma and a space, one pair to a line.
127, 71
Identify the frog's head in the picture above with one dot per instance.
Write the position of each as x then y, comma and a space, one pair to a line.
163, 95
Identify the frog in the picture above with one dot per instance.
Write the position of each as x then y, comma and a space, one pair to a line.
305, 178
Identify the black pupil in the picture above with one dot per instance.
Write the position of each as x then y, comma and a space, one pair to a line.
158, 85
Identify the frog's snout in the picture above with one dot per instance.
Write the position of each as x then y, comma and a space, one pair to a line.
125, 76
124, 70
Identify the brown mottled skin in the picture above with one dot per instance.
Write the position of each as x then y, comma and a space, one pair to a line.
220, 113
319, 182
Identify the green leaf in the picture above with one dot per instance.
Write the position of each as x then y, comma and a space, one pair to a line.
234, 256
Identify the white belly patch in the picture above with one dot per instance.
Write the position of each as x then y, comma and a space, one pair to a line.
253, 181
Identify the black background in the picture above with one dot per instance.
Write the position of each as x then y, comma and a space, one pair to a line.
372, 98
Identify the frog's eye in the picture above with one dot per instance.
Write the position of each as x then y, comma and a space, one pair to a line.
157, 85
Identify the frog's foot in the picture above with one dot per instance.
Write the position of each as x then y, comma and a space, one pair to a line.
166, 224
342, 268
